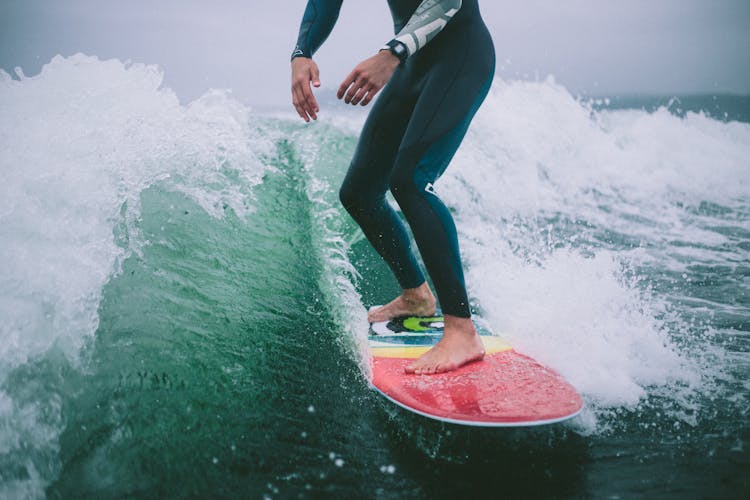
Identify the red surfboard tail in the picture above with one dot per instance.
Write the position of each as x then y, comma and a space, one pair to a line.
504, 389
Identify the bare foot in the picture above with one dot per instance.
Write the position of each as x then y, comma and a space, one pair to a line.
460, 345
412, 302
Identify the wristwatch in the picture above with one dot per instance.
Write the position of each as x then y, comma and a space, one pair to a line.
398, 49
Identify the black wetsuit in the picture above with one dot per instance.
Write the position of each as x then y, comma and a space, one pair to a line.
410, 136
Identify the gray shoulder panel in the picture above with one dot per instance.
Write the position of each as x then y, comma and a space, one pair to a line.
427, 21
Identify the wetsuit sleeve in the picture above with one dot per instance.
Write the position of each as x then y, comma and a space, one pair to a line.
317, 22
427, 21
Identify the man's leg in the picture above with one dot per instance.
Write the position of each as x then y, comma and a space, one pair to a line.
363, 195
440, 120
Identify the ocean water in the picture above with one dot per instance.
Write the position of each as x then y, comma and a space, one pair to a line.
183, 299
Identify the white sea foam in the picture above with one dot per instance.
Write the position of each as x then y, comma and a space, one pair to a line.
82, 140
78, 144
534, 154
321, 155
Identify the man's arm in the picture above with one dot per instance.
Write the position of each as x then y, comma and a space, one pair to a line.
317, 22
427, 21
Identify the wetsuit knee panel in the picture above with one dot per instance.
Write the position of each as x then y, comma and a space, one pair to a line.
347, 196
357, 199
400, 184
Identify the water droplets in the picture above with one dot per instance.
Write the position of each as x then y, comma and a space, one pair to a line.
388, 469
336, 459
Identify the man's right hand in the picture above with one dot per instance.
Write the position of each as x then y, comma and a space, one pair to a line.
304, 73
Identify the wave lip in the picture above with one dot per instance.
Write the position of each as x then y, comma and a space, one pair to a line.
569, 217
80, 142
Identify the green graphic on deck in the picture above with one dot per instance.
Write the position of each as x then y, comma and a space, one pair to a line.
422, 324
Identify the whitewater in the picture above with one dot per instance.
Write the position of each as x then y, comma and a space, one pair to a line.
183, 299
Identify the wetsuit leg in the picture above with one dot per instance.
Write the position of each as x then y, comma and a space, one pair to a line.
363, 190
447, 103
407, 142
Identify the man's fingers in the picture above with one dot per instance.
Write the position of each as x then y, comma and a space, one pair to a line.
354, 90
372, 91
305, 102
370, 96
307, 95
311, 105
297, 102
301, 112
361, 92
348, 81
306, 99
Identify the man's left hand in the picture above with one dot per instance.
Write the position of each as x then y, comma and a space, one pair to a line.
365, 80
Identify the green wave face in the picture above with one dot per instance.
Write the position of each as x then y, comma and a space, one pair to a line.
217, 367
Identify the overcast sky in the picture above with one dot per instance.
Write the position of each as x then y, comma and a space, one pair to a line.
593, 47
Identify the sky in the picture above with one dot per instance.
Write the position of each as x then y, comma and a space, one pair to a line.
592, 47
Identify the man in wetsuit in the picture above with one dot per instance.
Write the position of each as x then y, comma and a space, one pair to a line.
438, 70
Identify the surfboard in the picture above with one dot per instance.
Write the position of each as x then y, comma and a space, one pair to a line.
505, 389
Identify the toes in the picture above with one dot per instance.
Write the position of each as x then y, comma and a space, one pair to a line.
421, 370
417, 369
376, 316
427, 369
445, 368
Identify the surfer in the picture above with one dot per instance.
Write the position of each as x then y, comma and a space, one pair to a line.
434, 74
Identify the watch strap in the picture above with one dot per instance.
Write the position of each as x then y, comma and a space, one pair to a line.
398, 49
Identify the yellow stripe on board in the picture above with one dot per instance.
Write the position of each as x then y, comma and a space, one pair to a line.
491, 345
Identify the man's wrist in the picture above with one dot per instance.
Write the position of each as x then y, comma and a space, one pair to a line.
398, 49
387, 53
298, 52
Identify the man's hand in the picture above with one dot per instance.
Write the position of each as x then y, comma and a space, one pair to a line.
305, 72
368, 78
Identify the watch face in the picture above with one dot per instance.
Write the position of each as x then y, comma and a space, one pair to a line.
398, 49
